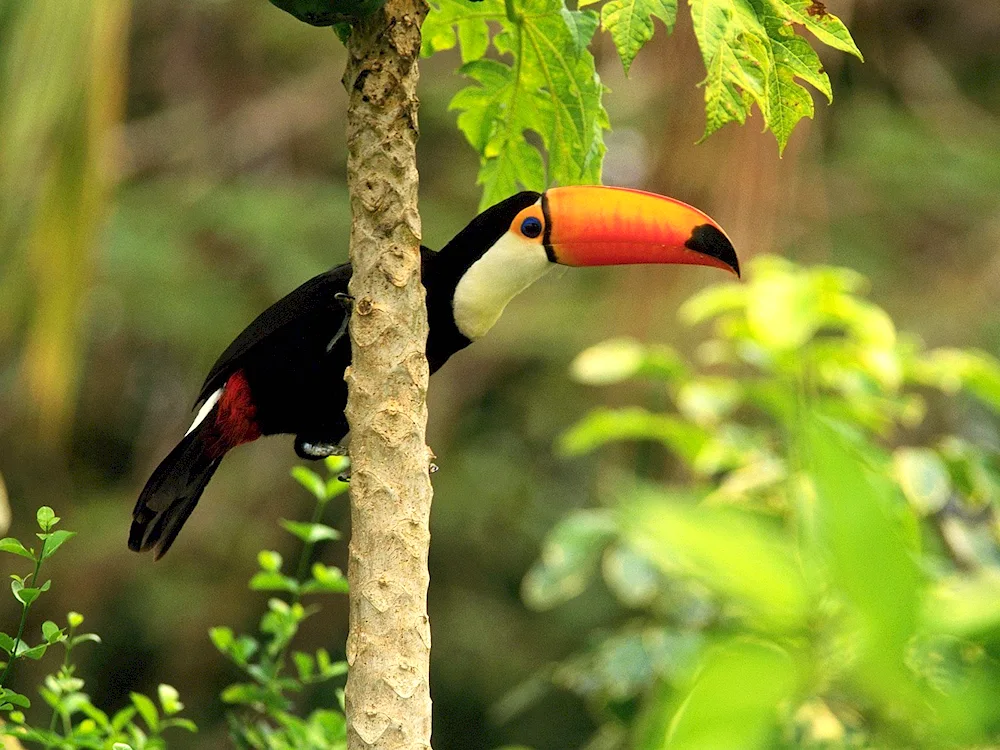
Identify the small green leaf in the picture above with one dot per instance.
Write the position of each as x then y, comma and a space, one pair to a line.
325, 580
273, 581
14, 698
54, 541
85, 637
923, 477
6, 643
74, 619
46, 518
122, 717
51, 632
24, 594
311, 481
31, 652
310, 533
147, 710
15, 547
181, 723
222, 638
269, 560
603, 426
305, 665
169, 699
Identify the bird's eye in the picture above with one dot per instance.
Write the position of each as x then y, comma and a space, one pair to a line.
531, 227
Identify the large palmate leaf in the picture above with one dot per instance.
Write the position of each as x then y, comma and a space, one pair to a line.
550, 88
753, 54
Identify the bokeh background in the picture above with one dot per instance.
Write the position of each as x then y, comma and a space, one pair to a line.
168, 168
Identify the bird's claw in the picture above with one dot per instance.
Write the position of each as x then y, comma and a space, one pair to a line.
347, 301
315, 451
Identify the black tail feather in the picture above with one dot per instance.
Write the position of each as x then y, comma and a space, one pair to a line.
171, 494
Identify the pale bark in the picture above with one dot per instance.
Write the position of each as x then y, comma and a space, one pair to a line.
388, 648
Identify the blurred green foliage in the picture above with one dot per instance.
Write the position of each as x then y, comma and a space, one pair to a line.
801, 586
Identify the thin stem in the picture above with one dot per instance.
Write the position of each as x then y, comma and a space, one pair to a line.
307, 550
65, 670
24, 614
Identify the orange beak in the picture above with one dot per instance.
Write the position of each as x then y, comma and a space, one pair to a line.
603, 226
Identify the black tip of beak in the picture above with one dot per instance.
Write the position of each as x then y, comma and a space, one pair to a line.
708, 240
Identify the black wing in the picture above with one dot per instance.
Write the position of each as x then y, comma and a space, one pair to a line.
317, 293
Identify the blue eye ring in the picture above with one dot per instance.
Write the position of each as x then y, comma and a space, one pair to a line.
531, 227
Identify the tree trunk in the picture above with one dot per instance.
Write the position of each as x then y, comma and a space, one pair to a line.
388, 648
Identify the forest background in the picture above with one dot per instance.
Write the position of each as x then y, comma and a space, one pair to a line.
225, 190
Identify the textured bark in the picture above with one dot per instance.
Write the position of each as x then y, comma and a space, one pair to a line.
388, 648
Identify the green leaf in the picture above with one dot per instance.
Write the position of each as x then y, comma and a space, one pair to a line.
310, 533
31, 652
752, 53
469, 20
311, 481
9, 544
24, 594
325, 580
267, 580
51, 632
550, 87
6, 643
9, 696
569, 559
616, 360
54, 541
305, 665
611, 425
923, 477
122, 717
735, 699
169, 699
269, 560
860, 531
630, 23
147, 710
74, 619
46, 518
734, 553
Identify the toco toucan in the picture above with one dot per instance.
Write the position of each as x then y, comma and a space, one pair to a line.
285, 372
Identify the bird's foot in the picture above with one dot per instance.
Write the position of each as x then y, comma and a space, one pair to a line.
347, 301
313, 451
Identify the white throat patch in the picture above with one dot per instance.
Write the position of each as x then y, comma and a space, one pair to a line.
505, 270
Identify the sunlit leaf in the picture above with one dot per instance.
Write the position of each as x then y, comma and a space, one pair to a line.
550, 88
753, 54
923, 477
603, 426
732, 552
630, 23
616, 360
870, 561
9, 544
735, 699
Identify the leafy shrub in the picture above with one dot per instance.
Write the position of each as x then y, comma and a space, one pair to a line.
818, 569
269, 722
74, 722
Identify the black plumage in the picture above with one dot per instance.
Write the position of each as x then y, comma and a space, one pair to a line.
285, 374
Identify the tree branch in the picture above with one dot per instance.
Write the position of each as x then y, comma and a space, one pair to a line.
388, 648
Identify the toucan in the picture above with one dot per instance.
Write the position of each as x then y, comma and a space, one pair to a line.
284, 374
